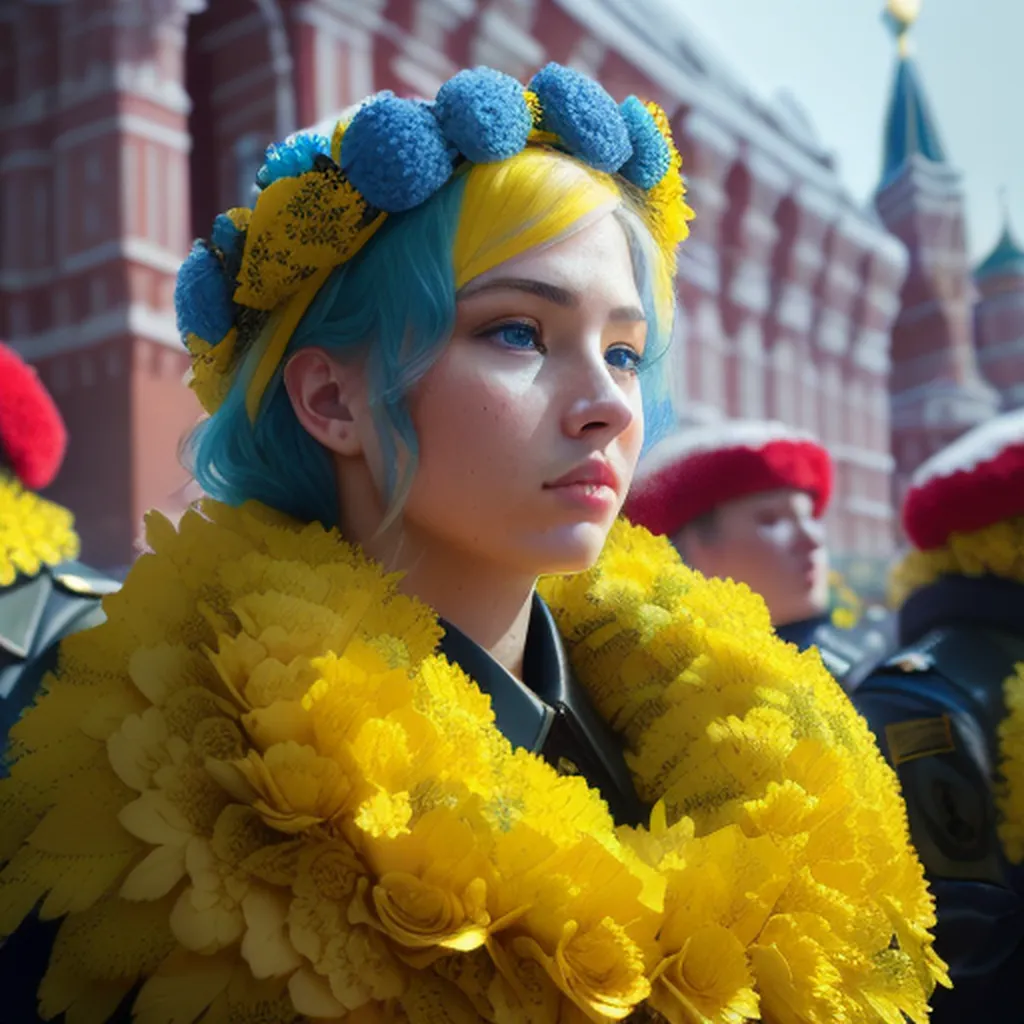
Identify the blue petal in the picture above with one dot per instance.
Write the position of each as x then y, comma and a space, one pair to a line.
203, 296
651, 157
583, 116
394, 153
291, 158
483, 113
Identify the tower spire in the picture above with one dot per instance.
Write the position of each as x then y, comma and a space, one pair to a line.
900, 15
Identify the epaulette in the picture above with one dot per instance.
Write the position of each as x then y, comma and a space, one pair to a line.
911, 661
79, 579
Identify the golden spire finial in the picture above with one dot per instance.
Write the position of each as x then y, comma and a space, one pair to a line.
900, 15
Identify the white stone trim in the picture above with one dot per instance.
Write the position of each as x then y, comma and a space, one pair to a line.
770, 172
865, 458
826, 205
131, 124
22, 158
136, 250
495, 26
869, 508
980, 445
703, 128
993, 353
423, 81
137, 320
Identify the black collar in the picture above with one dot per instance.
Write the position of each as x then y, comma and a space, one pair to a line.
988, 602
522, 710
801, 633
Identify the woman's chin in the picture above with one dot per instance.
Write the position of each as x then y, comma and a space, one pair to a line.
570, 549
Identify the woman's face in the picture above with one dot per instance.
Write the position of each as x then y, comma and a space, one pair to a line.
530, 422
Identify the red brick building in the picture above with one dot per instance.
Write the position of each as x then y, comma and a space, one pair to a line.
134, 123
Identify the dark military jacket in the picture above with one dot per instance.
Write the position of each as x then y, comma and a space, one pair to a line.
849, 654
935, 708
548, 713
36, 612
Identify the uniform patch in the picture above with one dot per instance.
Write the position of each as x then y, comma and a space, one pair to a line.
911, 662
919, 737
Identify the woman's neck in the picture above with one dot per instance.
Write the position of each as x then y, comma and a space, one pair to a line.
486, 603
489, 603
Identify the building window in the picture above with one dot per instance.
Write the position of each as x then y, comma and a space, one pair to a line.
91, 219
61, 307
40, 223
19, 318
155, 200
98, 294
784, 382
93, 170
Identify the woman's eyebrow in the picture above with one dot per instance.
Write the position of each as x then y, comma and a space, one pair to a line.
549, 292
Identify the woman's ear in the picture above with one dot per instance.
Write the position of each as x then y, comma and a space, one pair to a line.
329, 399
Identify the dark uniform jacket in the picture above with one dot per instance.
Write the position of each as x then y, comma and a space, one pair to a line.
548, 713
848, 654
936, 708
36, 612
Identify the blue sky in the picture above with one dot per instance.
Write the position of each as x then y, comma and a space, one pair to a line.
837, 58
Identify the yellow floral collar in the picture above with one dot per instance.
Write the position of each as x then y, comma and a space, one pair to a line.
33, 532
1011, 749
997, 550
258, 790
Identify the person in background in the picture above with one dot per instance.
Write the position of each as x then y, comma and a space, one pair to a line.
948, 709
44, 595
744, 500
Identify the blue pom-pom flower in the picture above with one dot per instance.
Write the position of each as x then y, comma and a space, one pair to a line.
584, 116
394, 153
226, 237
291, 158
483, 113
203, 296
651, 158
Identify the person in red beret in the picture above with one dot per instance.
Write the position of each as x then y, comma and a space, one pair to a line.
948, 709
44, 594
744, 500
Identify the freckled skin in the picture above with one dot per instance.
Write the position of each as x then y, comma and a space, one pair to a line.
496, 421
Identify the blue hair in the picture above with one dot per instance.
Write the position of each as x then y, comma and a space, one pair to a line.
394, 307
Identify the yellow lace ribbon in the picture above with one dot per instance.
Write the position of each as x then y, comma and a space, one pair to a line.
33, 532
257, 790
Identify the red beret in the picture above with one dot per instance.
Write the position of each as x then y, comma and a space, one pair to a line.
32, 433
693, 472
975, 482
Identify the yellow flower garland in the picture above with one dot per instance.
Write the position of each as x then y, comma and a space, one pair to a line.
258, 790
33, 532
997, 550
1011, 749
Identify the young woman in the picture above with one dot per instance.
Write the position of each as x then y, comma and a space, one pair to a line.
404, 725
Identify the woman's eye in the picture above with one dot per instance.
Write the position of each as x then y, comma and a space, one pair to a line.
516, 335
622, 357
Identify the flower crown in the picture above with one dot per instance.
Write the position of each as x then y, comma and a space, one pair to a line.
322, 200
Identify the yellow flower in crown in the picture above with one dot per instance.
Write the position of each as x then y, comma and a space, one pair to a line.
322, 200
